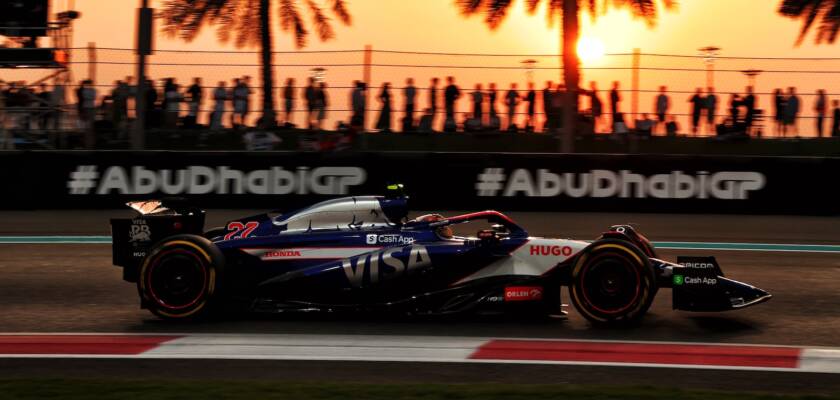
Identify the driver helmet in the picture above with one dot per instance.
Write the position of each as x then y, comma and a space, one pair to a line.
442, 231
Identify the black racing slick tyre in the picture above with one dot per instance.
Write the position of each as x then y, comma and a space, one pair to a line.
179, 280
613, 283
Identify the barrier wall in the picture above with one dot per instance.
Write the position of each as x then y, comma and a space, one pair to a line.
464, 181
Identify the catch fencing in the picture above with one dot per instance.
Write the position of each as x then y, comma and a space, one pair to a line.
639, 75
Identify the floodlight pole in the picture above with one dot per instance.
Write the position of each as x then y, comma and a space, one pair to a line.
144, 47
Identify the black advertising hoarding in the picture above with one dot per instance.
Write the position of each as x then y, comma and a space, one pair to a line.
445, 181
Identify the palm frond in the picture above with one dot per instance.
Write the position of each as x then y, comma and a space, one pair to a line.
321, 21
830, 25
827, 12
340, 10
469, 7
495, 11
291, 21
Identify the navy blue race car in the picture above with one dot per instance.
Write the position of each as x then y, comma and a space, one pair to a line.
363, 254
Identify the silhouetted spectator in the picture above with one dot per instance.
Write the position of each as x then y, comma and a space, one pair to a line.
615, 99
220, 96
750, 105
426, 122
357, 101
410, 94
531, 99
663, 103
173, 105
58, 101
168, 86
119, 112
309, 95
734, 108
289, 101
153, 116
478, 103
451, 96
595, 104
246, 86
644, 127
195, 96
8, 143
472, 124
241, 95
512, 101
546, 98
619, 125
792, 111
45, 105
697, 104
671, 127
492, 97
88, 99
321, 103
711, 109
558, 102
835, 123
12, 92
384, 123
779, 110
433, 98
821, 108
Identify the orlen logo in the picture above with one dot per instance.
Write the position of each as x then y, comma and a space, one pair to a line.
523, 293
557, 251
275, 254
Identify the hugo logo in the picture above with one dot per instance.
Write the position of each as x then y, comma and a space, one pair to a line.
540, 250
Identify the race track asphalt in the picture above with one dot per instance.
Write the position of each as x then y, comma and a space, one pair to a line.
74, 288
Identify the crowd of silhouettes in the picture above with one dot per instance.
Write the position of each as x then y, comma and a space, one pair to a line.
171, 106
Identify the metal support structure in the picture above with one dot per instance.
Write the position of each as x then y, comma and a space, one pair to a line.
138, 136
709, 54
634, 96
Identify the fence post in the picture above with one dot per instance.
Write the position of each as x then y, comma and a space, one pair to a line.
144, 48
637, 62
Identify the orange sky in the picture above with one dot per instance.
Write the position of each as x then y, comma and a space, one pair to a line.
740, 27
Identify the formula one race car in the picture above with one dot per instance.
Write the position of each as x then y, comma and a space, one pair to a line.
364, 254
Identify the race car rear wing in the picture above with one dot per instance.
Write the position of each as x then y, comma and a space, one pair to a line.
156, 220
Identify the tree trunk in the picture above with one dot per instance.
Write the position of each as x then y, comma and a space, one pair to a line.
571, 74
269, 118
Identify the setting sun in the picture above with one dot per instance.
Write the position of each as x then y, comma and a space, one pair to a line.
590, 49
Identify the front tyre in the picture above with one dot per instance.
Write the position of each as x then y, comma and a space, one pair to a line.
613, 283
179, 279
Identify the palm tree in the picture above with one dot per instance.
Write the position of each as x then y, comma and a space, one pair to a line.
248, 22
827, 12
495, 12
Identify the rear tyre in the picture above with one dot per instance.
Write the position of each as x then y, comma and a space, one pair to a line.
179, 279
613, 283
